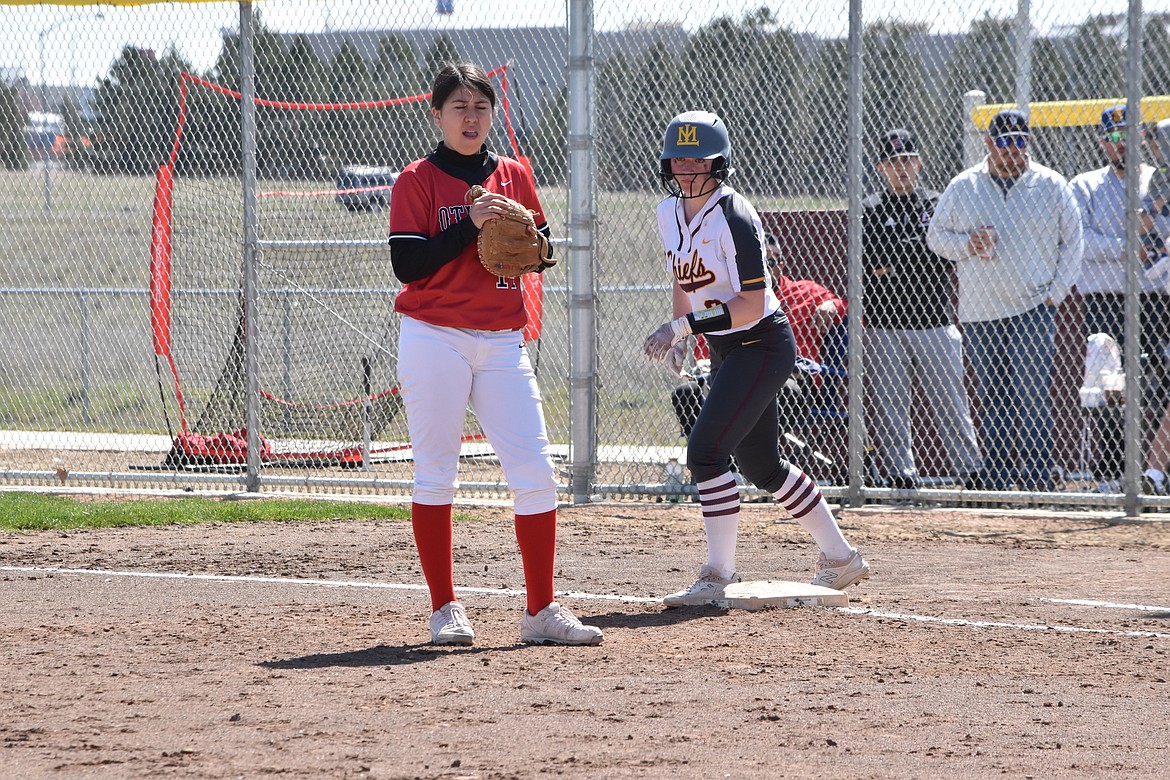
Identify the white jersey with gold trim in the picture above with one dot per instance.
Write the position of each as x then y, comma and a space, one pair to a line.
720, 253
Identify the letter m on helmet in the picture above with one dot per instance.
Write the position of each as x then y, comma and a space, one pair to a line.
688, 135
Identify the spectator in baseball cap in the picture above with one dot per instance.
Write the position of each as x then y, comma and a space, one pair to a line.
1101, 195
1008, 136
898, 143
1013, 271
909, 316
1008, 123
1113, 119
899, 161
1114, 134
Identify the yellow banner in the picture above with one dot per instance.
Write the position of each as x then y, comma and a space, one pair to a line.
1073, 113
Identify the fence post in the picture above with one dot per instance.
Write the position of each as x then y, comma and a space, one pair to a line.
1134, 257
857, 433
251, 293
1024, 56
972, 135
582, 300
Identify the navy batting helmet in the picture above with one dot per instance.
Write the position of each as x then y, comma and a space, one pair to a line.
700, 135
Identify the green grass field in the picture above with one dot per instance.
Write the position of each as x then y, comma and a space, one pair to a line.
34, 512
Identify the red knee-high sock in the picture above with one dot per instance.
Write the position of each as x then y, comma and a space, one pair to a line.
432, 537
537, 536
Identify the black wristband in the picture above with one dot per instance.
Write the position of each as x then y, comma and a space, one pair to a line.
708, 320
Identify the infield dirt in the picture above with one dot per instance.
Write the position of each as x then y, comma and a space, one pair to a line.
965, 655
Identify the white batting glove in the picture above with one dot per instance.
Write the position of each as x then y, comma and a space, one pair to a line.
659, 343
677, 357
668, 334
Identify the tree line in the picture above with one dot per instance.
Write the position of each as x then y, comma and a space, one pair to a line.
782, 93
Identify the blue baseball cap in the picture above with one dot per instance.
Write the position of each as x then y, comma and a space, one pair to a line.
1008, 122
1113, 118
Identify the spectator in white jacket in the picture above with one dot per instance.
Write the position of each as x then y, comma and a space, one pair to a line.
1014, 232
1101, 196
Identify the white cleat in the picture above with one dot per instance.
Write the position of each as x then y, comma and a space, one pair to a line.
839, 575
556, 625
450, 626
708, 588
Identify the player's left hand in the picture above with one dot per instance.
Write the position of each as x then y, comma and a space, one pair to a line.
659, 342
676, 358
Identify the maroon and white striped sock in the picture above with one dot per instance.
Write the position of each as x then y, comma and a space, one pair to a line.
719, 498
805, 502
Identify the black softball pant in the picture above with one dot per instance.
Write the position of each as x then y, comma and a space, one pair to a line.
739, 416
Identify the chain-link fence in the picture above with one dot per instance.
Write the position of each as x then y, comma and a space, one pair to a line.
169, 167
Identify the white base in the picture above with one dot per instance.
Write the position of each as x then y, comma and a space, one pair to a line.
759, 594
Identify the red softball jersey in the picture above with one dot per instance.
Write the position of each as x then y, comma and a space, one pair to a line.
461, 294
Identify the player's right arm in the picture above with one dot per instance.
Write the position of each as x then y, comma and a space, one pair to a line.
414, 252
742, 244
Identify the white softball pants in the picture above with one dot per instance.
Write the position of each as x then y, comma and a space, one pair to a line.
442, 371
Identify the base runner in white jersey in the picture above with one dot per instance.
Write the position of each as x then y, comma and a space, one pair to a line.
714, 252
462, 344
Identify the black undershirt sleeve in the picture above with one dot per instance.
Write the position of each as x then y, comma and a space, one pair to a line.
414, 259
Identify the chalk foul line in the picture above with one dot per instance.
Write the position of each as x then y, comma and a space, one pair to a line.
862, 611
997, 624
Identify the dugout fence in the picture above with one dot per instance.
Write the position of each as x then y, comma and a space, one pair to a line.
198, 181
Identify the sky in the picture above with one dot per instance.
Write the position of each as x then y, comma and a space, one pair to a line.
79, 47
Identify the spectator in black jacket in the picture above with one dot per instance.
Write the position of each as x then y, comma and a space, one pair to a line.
910, 320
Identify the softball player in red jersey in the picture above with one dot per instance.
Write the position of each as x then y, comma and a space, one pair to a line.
461, 344
713, 240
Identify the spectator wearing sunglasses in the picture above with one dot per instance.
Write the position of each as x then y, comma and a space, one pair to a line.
1154, 480
1013, 230
1158, 143
1101, 195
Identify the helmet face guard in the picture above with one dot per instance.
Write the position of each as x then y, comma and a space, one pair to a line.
700, 135
719, 173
